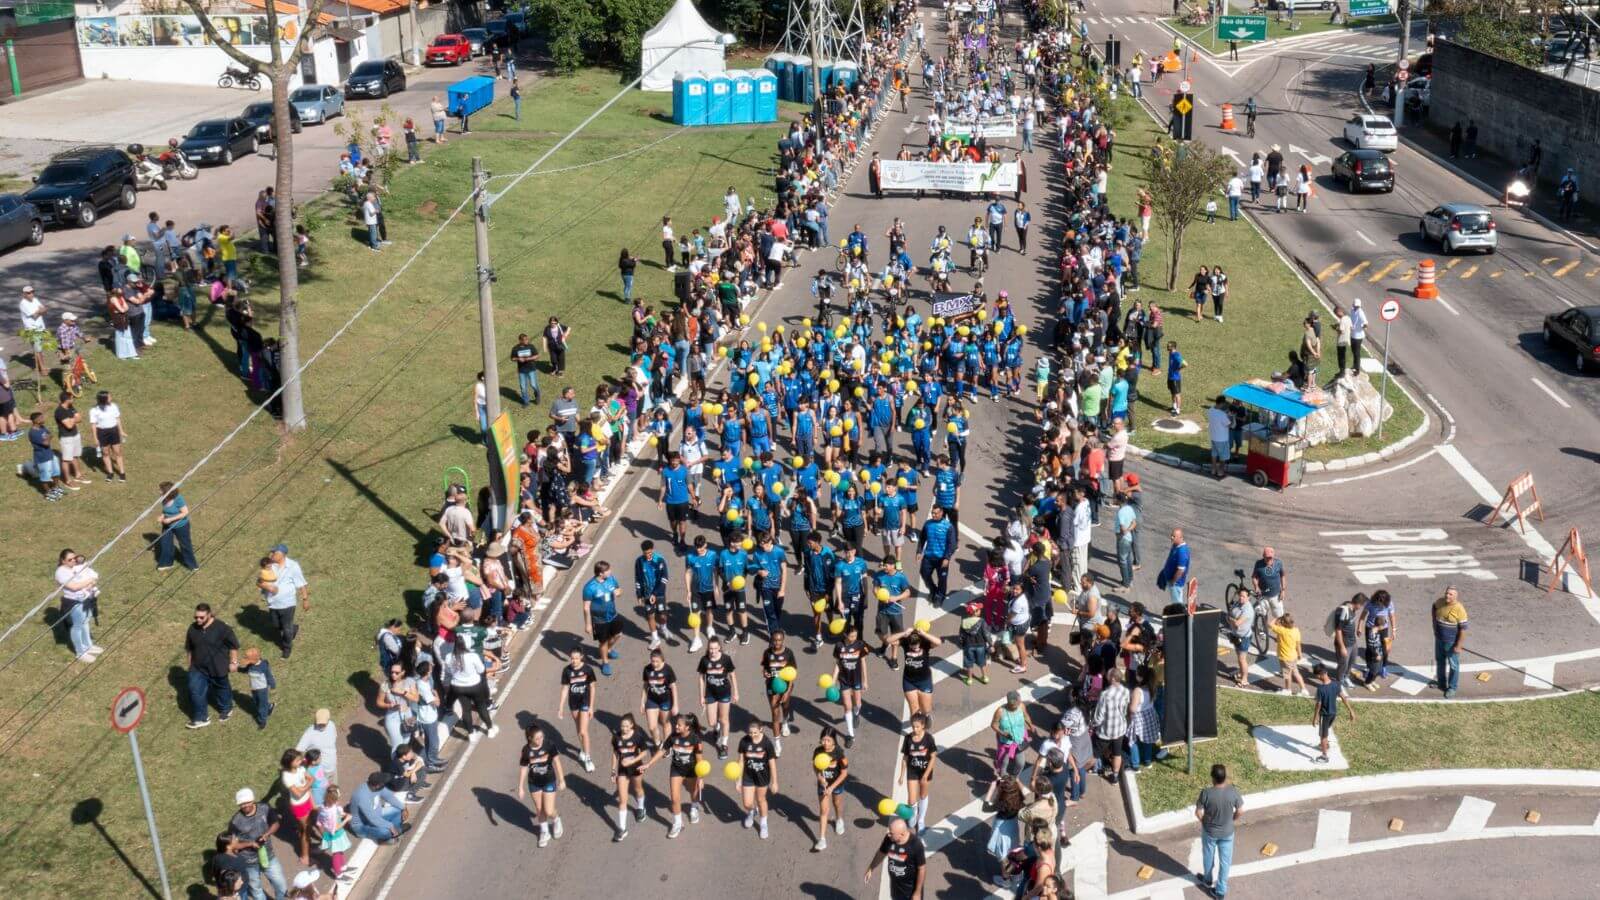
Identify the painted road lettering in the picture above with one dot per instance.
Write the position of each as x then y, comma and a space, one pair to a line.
1417, 554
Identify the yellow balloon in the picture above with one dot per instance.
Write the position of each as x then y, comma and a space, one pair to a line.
902, 482
655, 441
919, 424
788, 673
845, 321
822, 761
882, 593
777, 488
824, 681
983, 314
855, 283
864, 475
798, 461
832, 478
951, 428
875, 487
927, 345
999, 327
716, 409
766, 344
840, 332
884, 368
923, 625
694, 621
911, 385
886, 807
733, 515
762, 326
706, 409
750, 404
732, 770
749, 462
826, 374
849, 422
746, 544
744, 319
859, 391
859, 365
836, 626
722, 352
963, 331
833, 384
819, 606
702, 769
806, 322
800, 343
1022, 329
736, 582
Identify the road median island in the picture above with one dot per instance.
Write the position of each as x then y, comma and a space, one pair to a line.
1278, 31
1267, 303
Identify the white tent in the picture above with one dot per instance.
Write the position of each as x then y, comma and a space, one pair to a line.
664, 52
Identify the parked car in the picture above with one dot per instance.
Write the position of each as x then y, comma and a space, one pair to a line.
375, 78
478, 38
497, 31
1460, 226
317, 103
259, 115
1368, 132
448, 50
1559, 48
20, 222
76, 185
1364, 169
1578, 331
219, 141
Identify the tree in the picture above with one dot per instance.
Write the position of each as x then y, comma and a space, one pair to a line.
1179, 178
279, 70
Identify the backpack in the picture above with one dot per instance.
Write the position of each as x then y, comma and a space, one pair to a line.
1331, 624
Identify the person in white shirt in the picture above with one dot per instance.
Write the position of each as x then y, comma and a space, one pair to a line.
668, 244
289, 588
730, 205
369, 216
1358, 333
109, 433
1217, 431
1082, 531
79, 588
1235, 192
32, 310
322, 736
465, 670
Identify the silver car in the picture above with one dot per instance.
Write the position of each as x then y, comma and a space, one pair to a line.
1460, 226
317, 103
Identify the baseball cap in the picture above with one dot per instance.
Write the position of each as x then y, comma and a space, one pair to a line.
126, 238
69, 317
280, 548
306, 878
1133, 479
322, 716
27, 289
1013, 697
244, 795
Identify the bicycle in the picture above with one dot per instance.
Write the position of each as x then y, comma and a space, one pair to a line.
75, 373
1259, 633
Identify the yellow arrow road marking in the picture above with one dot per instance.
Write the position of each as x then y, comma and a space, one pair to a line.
1566, 268
1548, 260
1328, 271
1469, 272
1353, 272
1591, 273
1452, 264
1378, 275
1496, 273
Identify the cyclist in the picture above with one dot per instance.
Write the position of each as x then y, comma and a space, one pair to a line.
1240, 628
1269, 580
822, 289
977, 244
940, 243
897, 237
856, 243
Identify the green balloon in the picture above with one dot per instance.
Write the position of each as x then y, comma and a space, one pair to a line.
905, 811
833, 694
779, 685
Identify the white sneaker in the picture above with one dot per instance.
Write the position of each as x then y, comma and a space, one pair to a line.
675, 830
588, 764
96, 648
655, 640
544, 838
559, 830
694, 815
696, 644
786, 730
838, 826
474, 737
821, 845
749, 820
777, 747
763, 830
88, 656
494, 730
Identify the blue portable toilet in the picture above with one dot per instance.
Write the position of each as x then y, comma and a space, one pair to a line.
469, 95
719, 88
825, 70
845, 74
779, 64
689, 98
800, 79
766, 102
743, 106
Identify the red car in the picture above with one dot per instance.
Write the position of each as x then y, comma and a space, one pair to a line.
449, 49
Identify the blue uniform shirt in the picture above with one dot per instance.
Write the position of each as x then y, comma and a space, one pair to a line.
704, 567
601, 595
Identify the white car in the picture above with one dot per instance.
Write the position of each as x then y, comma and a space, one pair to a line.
1371, 133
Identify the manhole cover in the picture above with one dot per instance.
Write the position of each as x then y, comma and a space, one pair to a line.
1175, 426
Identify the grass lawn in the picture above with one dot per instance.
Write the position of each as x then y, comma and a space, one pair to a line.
1266, 305
390, 410
1310, 22
1559, 733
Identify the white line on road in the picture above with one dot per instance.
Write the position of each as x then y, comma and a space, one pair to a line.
1202, 101
1370, 241
1540, 675
1553, 395
1333, 828
1472, 815
1446, 304
1569, 303
1085, 855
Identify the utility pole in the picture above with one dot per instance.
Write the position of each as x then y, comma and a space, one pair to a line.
1403, 12
816, 72
491, 374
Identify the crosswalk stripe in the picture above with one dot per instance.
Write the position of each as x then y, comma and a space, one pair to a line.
1085, 856
1472, 815
1196, 855
1567, 268
963, 729
1539, 676
1496, 274
1332, 267
1410, 682
1452, 264
1333, 828
1354, 272
1170, 892
1378, 275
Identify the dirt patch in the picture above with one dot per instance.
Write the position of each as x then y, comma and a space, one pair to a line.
428, 208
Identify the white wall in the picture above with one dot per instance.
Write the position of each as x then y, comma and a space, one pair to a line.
198, 65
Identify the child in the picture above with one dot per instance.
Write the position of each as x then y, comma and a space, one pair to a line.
1329, 693
267, 578
331, 821
1041, 377
259, 672
975, 639
413, 151
1283, 628
1211, 210
318, 776
302, 245
1175, 364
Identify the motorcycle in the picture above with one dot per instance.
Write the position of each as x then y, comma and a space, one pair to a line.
175, 164
147, 173
244, 78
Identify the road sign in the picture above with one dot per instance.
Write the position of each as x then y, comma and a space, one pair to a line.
1403, 64
1362, 8
1402, 76
127, 709
1184, 86
1242, 28
1183, 106
1390, 310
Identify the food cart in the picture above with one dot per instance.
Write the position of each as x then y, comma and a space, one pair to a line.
1275, 434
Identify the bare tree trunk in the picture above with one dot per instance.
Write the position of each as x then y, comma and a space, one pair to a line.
293, 397
1175, 261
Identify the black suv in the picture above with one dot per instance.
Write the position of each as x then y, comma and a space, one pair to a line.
76, 185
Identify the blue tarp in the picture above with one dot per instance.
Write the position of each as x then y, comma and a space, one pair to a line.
1286, 403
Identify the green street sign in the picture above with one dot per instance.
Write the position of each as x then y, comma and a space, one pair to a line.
1242, 28
1364, 8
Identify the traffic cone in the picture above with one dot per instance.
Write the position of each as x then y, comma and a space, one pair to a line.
1426, 289
1227, 117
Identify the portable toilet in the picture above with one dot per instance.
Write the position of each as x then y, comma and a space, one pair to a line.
743, 106
825, 73
779, 64
800, 80
765, 108
719, 108
845, 74
689, 98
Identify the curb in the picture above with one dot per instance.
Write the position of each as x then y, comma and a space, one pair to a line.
1363, 784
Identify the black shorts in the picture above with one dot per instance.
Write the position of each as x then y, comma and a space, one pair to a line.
923, 685
715, 695
656, 604
1105, 747
1324, 727
7, 407
108, 437
605, 631
677, 512
755, 779
888, 623
734, 599
702, 599
914, 773
628, 771
683, 771
1174, 387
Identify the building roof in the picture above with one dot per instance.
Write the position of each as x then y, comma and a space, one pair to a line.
292, 9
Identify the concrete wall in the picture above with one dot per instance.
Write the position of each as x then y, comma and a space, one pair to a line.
392, 36
199, 65
1513, 106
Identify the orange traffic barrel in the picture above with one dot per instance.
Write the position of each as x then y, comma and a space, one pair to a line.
1426, 289
1227, 117
1171, 63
